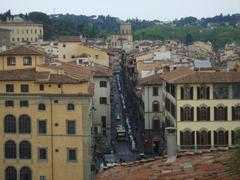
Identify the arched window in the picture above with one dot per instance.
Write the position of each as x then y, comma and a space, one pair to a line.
10, 124
187, 113
203, 113
187, 139
41, 107
25, 173
10, 150
220, 138
220, 113
155, 106
204, 139
70, 107
235, 113
10, 173
25, 150
24, 124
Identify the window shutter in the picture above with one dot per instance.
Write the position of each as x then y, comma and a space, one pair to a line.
191, 93
208, 93
192, 113
198, 113
215, 114
209, 138
208, 113
233, 137
198, 138
233, 113
182, 114
182, 93
181, 138
198, 92
193, 138
215, 138
225, 113
226, 138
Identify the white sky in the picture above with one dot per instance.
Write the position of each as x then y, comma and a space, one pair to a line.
142, 9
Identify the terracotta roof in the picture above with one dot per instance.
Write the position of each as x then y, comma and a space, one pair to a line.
200, 165
101, 71
187, 76
23, 74
61, 78
151, 80
22, 50
69, 39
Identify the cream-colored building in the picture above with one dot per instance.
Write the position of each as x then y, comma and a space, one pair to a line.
46, 119
124, 39
22, 32
203, 106
72, 47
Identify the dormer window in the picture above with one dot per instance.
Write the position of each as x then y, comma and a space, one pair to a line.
11, 61
27, 61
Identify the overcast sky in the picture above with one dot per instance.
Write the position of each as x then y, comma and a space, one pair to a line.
124, 9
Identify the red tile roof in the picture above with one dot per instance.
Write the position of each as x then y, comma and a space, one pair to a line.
151, 80
188, 76
22, 50
69, 39
208, 165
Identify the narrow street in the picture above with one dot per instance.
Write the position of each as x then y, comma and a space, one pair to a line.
125, 145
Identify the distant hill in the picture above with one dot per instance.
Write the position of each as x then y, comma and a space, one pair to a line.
219, 29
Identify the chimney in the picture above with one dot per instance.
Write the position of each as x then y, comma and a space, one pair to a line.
171, 144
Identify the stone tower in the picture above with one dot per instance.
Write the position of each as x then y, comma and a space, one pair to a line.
125, 28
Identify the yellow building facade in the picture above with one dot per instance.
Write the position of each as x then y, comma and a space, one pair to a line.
203, 106
23, 31
70, 48
46, 129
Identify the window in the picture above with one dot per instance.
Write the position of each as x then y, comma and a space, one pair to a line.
155, 106
9, 103
59, 85
42, 154
187, 113
43, 178
55, 101
71, 127
72, 154
96, 57
186, 92
64, 45
235, 91
220, 113
25, 173
24, 103
10, 150
155, 91
103, 100
10, 173
41, 87
25, 150
10, 124
70, 107
220, 138
187, 140
104, 120
24, 124
9, 88
220, 91
24, 88
156, 123
235, 136
103, 83
41, 107
203, 113
42, 126
64, 56
11, 61
204, 139
203, 92
235, 113
27, 61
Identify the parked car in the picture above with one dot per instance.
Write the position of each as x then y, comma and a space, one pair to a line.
140, 156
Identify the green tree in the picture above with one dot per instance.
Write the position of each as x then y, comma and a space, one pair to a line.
189, 39
235, 162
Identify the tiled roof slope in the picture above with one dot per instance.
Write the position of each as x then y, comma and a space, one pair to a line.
151, 80
22, 50
208, 165
188, 76
70, 39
